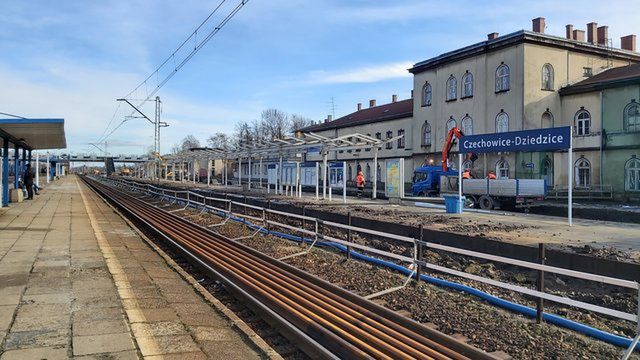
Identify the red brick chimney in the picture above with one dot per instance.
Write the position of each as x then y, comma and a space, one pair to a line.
578, 35
603, 35
372, 103
359, 106
538, 25
492, 36
394, 98
628, 42
592, 32
569, 34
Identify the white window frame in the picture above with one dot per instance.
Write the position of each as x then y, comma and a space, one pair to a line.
452, 88
451, 123
632, 174
502, 122
426, 129
503, 78
628, 126
467, 85
582, 173
542, 125
502, 169
583, 125
466, 125
427, 94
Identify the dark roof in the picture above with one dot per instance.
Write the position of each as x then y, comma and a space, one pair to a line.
391, 111
523, 36
614, 77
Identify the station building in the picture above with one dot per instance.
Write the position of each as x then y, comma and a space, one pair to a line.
518, 81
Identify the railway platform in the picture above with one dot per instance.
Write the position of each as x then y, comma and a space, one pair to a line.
76, 281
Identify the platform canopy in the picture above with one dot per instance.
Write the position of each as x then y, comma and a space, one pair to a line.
34, 134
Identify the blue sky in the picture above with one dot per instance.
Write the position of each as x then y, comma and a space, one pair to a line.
72, 59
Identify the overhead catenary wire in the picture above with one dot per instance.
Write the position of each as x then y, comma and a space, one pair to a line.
176, 65
15, 116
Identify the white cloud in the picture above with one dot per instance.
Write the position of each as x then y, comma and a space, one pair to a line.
364, 74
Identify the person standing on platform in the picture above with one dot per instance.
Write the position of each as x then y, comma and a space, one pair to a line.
360, 182
28, 181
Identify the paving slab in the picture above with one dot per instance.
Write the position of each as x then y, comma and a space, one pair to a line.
76, 281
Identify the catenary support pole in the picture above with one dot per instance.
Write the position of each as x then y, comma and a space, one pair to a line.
344, 182
298, 189
250, 174
460, 181
240, 172
374, 194
317, 180
325, 173
261, 172
280, 186
208, 171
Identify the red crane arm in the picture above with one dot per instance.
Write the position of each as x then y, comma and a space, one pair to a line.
448, 143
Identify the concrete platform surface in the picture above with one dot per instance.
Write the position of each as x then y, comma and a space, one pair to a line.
76, 281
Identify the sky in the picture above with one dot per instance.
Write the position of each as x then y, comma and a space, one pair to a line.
73, 59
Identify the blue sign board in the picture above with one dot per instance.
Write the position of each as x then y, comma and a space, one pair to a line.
557, 138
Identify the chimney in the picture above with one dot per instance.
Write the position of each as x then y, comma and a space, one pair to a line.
372, 103
538, 25
578, 35
394, 98
492, 36
359, 106
569, 32
628, 42
603, 35
592, 32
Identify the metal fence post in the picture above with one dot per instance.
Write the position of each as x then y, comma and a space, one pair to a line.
540, 284
419, 254
349, 235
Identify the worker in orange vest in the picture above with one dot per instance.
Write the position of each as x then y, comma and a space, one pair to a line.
491, 175
360, 182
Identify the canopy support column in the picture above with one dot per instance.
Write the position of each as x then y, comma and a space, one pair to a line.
374, 194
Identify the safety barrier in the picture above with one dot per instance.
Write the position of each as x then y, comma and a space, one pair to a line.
416, 263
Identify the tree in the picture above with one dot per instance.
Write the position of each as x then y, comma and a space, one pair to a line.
219, 140
275, 122
297, 122
189, 142
242, 134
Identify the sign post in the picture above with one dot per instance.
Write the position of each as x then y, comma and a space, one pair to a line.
558, 138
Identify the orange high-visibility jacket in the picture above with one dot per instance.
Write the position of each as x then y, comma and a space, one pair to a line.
360, 179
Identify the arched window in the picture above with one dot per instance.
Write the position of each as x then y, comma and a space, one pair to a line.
467, 85
426, 94
547, 171
426, 134
452, 87
583, 122
632, 116
451, 123
502, 122
632, 175
467, 165
502, 169
367, 174
349, 173
378, 172
547, 77
547, 119
467, 125
582, 170
502, 78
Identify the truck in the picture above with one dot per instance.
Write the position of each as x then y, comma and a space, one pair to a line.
485, 194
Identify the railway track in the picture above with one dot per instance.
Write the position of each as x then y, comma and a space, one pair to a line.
324, 320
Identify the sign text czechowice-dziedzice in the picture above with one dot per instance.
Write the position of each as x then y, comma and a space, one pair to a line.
558, 138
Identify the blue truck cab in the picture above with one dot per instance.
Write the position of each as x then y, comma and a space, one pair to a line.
426, 180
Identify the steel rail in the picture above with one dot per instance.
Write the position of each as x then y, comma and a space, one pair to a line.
345, 327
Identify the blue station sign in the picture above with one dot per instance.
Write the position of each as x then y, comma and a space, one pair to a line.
557, 138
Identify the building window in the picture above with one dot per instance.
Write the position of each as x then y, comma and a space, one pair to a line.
582, 172
502, 122
587, 72
349, 173
368, 173
547, 171
467, 165
547, 77
583, 122
467, 85
632, 116
452, 88
451, 123
467, 125
378, 136
401, 139
426, 134
502, 169
426, 94
502, 78
546, 120
378, 173
632, 175
389, 136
